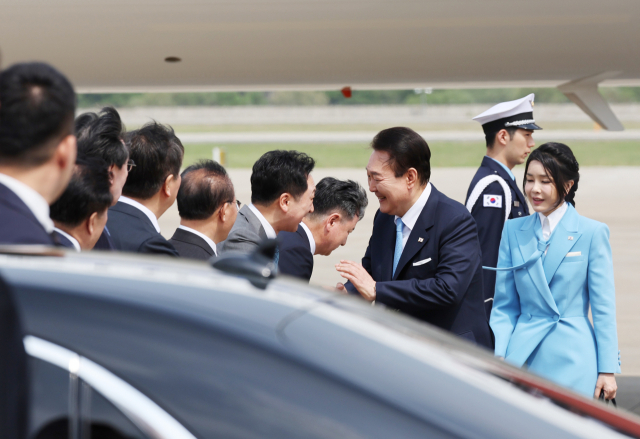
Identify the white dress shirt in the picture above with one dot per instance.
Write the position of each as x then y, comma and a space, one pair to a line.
312, 242
550, 222
201, 235
143, 209
409, 219
268, 229
32, 199
73, 240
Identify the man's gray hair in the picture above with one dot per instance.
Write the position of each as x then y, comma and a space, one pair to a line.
345, 196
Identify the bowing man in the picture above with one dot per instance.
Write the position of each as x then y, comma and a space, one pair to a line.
80, 213
208, 208
337, 208
494, 196
37, 150
423, 257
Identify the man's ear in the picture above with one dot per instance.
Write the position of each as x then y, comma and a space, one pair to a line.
411, 178
166, 186
283, 201
502, 138
333, 220
112, 168
222, 212
66, 152
90, 223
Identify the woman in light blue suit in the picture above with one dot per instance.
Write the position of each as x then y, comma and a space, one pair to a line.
552, 266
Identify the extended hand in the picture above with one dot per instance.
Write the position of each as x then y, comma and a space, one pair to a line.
359, 277
607, 383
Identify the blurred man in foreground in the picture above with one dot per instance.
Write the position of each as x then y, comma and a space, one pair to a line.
80, 213
102, 135
424, 256
337, 208
37, 149
151, 188
282, 191
207, 207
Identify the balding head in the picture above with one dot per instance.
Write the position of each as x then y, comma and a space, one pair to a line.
205, 187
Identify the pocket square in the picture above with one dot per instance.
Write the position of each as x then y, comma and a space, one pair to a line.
573, 254
422, 262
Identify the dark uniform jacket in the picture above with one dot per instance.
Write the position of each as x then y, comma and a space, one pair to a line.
18, 225
132, 231
190, 245
295, 254
490, 220
439, 277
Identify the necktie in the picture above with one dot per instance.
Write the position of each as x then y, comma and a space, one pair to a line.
398, 251
276, 257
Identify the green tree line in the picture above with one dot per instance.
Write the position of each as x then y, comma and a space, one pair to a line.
359, 97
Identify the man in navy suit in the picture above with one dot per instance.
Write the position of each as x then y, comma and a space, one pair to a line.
208, 208
37, 150
151, 188
493, 196
337, 208
424, 256
80, 213
102, 135
37, 155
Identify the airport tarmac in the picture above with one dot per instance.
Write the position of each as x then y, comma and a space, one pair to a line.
607, 194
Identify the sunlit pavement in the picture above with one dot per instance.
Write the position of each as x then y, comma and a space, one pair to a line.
607, 194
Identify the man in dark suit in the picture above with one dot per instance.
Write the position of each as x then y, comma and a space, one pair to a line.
337, 208
493, 196
208, 208
102, 135
37, 150
424, 256
37, 155
80, 213
151, 188
282, 191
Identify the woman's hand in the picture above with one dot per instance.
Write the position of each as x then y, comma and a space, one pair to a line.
606, 383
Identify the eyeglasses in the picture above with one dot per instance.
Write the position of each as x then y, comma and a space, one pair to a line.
237, 203
130, 165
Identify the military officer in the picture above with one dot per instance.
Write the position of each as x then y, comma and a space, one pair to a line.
493, 196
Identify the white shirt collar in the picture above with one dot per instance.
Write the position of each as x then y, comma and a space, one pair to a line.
143, 209
32, 199
268, 229
312, 242
553, 220
73, 240
201, 235
409, 219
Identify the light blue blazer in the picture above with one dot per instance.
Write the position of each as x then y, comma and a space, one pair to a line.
540, 313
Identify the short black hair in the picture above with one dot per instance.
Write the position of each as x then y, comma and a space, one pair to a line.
157, 153
490, 137
278, 172
346, 196
37, 104
205, 187
561, 166
102, 135
407, 149
88, 192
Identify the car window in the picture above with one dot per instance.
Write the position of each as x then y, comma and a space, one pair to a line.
103, 419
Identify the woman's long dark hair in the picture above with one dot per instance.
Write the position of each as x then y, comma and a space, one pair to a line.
560, 165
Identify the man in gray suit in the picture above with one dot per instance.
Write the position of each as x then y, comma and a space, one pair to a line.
282, 192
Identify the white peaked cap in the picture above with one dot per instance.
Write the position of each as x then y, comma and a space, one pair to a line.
509, 109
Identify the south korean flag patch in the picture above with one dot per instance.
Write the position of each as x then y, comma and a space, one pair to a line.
492, 201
